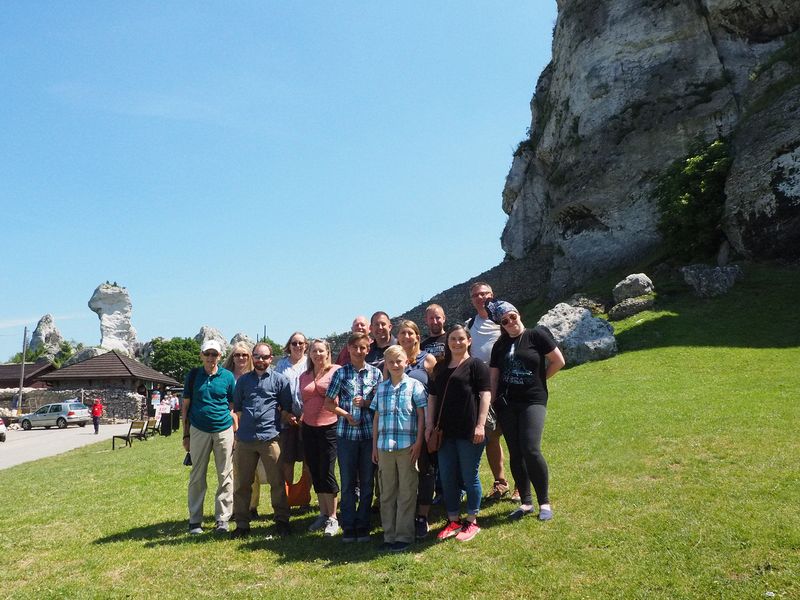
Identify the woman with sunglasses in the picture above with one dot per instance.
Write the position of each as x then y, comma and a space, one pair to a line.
522, 362
292, 364
458, 405
319, 434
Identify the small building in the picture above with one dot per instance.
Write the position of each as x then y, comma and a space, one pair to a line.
9, 374
110, 370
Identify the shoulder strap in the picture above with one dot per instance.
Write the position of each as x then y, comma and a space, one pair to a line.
192, 378
444, 394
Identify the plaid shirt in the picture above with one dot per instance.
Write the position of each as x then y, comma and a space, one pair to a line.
397, 412
347, 383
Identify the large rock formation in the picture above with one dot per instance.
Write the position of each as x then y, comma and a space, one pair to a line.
580, 336
47, 336
112, 304
631, 85
211, 333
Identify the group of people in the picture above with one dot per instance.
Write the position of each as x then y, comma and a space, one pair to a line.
389, 409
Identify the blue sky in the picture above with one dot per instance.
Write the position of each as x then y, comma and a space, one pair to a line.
288, 164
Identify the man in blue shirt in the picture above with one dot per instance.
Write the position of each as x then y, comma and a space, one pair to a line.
350, 395
208, 426
258, 400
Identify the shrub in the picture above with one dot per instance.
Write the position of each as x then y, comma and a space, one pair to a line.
691, 197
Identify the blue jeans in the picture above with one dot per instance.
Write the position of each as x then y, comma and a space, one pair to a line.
355, 468
459, 461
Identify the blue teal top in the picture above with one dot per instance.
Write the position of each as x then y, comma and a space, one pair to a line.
211, 399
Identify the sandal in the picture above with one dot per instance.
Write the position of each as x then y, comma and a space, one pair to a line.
499, 489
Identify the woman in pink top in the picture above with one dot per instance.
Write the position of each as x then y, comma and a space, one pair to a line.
319, 434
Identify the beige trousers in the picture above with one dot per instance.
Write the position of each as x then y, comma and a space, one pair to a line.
398, 478
247, 456
201, 445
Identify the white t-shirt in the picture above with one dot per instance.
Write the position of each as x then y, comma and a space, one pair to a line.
485, 333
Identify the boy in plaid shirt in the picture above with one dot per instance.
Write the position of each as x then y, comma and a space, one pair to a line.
397, 436
350, 396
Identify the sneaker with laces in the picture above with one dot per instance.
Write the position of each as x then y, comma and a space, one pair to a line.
451, 529
420, 527
331, 527
499, 490
468, 531
318, 523
195, 528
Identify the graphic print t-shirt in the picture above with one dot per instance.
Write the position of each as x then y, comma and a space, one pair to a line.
522, 365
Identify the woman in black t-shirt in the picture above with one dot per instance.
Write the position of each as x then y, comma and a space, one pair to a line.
519, 374
458, 402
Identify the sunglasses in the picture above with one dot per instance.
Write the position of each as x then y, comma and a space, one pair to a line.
513, 317
262, 356
210, 353
296, 343
240, 355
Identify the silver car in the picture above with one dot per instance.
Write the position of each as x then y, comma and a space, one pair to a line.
59, 414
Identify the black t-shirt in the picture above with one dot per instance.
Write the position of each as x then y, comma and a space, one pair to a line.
375, 355
434, 344
522, 365
461, 403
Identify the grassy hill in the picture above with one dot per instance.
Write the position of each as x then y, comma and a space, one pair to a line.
674, 474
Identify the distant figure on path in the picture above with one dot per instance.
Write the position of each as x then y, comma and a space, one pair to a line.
97, 412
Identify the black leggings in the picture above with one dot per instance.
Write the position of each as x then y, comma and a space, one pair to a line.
319, 448
427, 476
522, 427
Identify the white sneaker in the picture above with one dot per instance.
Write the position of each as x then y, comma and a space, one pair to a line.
331, 527
318, 523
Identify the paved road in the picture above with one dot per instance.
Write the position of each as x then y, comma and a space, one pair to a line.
23, 446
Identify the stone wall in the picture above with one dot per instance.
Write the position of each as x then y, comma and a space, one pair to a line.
118, 403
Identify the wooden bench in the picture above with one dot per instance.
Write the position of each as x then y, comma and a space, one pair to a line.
137, 430
153, 427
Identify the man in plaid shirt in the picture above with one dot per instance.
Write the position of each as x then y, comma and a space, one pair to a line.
350, 396
397, 438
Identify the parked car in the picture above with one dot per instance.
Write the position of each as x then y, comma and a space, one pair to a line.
60, 414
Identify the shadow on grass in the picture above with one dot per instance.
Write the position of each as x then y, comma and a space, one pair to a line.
300, 546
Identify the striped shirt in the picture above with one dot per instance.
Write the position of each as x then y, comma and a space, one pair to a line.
396, 407
347, 383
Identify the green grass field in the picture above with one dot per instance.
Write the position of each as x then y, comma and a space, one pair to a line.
674, 474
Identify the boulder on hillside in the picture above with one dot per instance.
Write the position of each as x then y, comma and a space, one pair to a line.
629, 307
581, 337
210, 333
581, 300
47, 336
633, 286
707, 281
242, 337
113, 305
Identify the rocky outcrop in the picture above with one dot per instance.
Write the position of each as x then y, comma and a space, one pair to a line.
580, 336
85, 354
707, 281
242, 337
47, 336
210, 333
631, 85
112, 304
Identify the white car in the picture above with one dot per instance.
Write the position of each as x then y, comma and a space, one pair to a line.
60, 414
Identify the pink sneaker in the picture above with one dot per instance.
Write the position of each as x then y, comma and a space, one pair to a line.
452, 528
468, 531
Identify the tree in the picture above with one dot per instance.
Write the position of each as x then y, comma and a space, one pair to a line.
175, 357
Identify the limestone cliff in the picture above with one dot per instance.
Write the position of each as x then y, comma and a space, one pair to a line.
631, 84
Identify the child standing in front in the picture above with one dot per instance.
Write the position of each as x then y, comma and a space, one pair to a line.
397, 436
